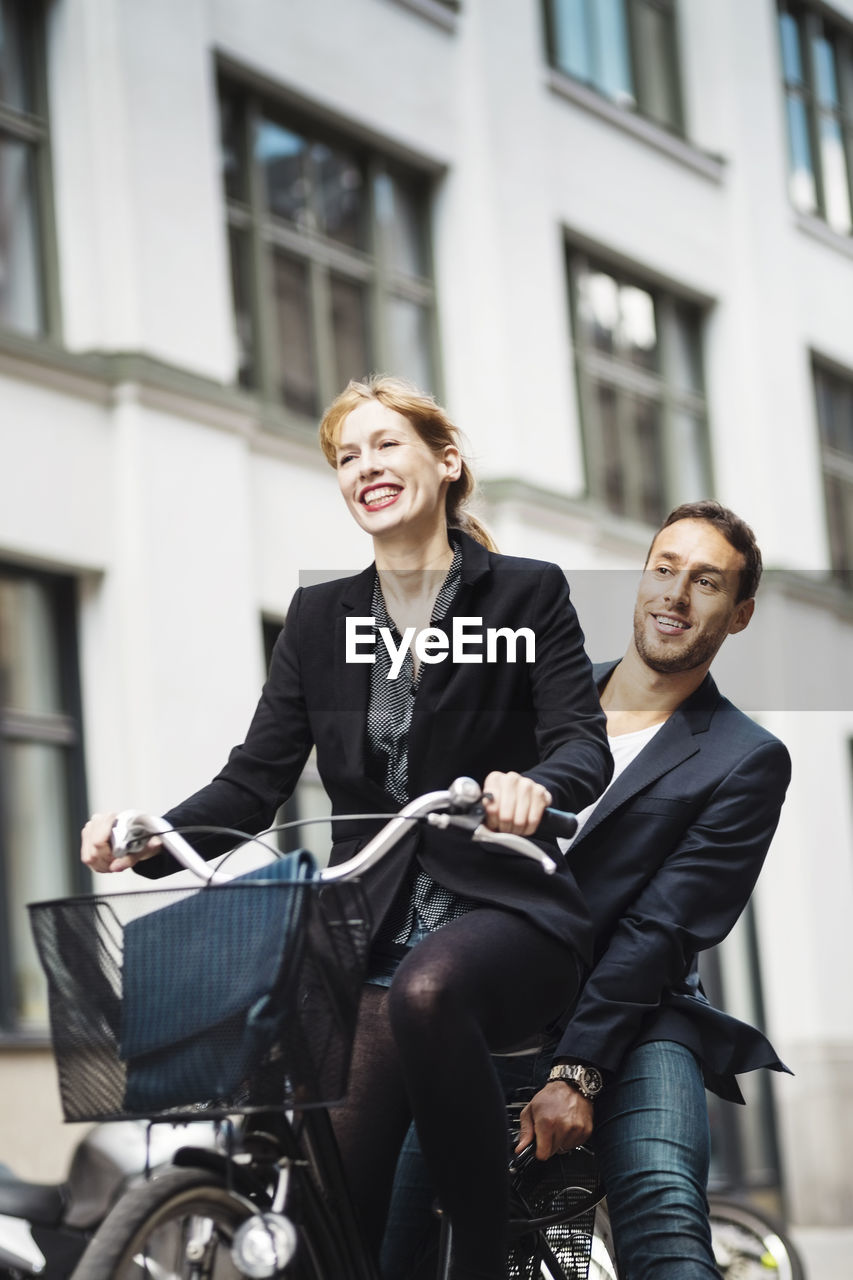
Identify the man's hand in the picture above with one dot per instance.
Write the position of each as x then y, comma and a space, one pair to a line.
517, 803
96, 848
559, 1117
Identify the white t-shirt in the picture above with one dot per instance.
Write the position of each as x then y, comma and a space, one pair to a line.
624, 748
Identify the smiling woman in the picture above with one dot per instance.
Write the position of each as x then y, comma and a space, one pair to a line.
468, 952
384, 414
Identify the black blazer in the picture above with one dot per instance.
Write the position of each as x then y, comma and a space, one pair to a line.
542, 719
667, 863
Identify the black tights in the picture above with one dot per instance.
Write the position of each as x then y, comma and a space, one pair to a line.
422, 1049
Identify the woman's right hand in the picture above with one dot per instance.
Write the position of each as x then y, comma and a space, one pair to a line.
96, 846
514, 802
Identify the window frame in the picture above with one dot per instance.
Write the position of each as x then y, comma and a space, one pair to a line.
657, 386
63, 729
676, 126
324, 258
32, 128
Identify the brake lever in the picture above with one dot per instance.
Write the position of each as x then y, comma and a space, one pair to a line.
469, 821
480, 834
128, 836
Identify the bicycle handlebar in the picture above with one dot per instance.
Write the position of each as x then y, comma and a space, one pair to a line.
463, 798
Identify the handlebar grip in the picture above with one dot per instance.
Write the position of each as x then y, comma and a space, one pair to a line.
557, 822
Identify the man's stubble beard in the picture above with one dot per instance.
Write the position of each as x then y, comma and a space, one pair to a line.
697, 652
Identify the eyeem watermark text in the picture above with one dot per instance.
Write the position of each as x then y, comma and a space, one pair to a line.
468, 641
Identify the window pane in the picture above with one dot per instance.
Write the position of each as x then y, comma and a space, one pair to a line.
15, 68
836, 191
232, 156
687, 462
36, 831
834, 397
839, 518
20, 284
826, 84
613, 69
29, 658
792, 61
340, 195
637, 328
801, 183
829, 393
598, 308
835, 412
297, 373
656, 63
685, 357
243, 321
572, 45
282, 156
609, 483
843, 428
409, 342
644, 425
349, 325
400, 211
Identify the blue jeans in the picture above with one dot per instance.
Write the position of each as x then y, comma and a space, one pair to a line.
652, 1144
653, 1148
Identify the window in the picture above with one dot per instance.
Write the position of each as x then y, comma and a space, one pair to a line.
330, 257
625, 49
834, 395
42, 801
638, 358
817, 68
24, 182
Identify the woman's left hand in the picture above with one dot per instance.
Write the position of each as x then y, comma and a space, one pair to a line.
516, 804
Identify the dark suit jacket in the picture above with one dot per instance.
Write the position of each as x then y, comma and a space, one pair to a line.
542, 719
666, 863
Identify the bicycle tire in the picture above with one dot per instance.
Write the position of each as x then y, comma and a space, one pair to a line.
749, 1245
148, 1225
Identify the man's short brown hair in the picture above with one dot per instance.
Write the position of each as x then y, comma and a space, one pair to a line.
736, 532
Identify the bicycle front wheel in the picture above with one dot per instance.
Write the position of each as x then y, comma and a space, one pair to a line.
180, 1224
749, 1246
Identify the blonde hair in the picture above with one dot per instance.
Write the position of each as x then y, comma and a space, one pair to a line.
432, 425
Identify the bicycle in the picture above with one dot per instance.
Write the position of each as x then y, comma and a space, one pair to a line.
260, 1047
272, 1199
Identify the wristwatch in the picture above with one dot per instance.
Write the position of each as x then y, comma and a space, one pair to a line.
587, 1080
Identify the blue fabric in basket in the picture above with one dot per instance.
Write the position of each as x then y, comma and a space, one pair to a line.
199, 1004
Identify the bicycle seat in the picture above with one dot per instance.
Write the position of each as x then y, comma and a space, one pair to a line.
533, 1044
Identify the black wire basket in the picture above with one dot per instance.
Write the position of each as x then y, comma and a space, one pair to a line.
559, 1196
205, 1002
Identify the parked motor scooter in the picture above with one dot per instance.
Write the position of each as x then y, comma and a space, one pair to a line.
45, 1228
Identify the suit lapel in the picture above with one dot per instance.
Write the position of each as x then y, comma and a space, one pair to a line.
435, 677
674, 743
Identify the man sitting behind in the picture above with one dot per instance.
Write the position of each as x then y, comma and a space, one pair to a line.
667, 859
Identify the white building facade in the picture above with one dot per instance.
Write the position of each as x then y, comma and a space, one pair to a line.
615, 237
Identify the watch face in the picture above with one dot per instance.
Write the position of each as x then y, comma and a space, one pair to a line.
592, 1081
